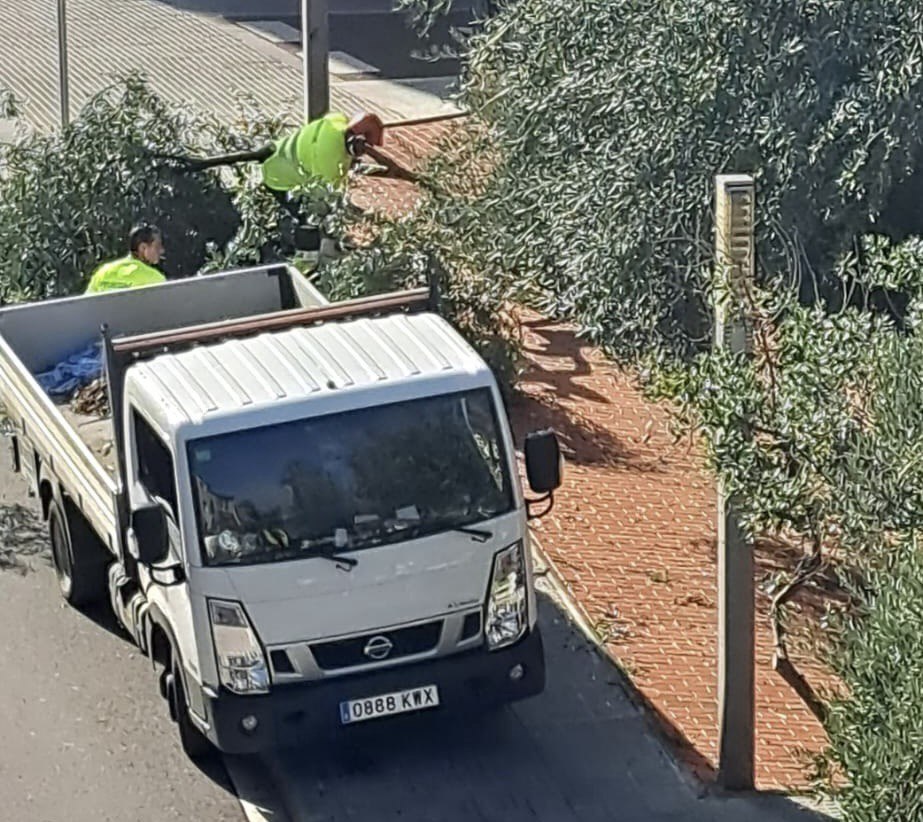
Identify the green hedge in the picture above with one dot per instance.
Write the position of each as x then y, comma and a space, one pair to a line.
877, 733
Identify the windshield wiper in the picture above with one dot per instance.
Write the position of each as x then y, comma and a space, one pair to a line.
318, 550
346, 563
479, 534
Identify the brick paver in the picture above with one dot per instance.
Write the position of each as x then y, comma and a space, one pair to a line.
633, 535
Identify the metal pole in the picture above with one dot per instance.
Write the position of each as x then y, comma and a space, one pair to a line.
735, 202
315, 50
63, 73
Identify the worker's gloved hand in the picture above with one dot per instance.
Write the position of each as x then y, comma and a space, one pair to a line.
367, 168
366, 128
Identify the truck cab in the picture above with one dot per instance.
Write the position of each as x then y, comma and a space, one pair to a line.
342, 506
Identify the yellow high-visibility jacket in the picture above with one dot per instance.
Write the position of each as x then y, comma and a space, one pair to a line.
316, 152
128, 272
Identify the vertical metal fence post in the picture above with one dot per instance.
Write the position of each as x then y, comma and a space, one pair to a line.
63, 70
315, 51
735, 204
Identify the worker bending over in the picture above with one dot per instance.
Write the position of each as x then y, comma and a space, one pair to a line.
322, 150
145, 243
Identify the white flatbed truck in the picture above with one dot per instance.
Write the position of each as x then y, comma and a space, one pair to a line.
307, 514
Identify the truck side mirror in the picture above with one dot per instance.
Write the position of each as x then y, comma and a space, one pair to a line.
543, 461
150, 527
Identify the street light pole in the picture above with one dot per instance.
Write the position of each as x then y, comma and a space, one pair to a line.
315, 50
63, 73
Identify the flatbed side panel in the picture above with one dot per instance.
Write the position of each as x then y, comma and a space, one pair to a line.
35, 415
76, 321
305, 293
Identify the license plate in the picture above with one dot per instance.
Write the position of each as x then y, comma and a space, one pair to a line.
398, 702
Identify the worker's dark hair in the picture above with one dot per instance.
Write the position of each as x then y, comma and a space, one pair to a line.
142, 234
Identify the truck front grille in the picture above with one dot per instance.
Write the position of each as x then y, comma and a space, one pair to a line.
472, 626
373, 647
281, 662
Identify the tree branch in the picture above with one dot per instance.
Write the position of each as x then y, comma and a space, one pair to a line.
809, 567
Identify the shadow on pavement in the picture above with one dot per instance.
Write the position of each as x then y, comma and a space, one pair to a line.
24, 548
554, 393
581, 752
101, 615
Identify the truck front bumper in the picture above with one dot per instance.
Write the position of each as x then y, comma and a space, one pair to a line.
294, 714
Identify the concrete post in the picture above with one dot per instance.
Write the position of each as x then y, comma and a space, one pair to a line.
63, 69
735, 203
315, 51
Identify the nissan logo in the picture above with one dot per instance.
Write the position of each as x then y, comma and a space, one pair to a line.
378, 647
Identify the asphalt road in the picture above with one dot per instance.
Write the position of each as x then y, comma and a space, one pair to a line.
86, 735
87, 738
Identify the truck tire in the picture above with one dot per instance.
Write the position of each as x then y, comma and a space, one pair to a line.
80, 568
194, 743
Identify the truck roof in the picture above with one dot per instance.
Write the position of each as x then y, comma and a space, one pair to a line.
270, 369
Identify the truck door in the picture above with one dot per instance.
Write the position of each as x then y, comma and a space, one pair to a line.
152, 478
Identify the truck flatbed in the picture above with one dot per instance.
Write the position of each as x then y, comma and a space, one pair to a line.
81, 447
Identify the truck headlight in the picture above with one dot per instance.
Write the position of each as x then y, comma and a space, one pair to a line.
241, 662
507, 602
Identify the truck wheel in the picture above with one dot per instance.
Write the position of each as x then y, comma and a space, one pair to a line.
81, 573
195, 744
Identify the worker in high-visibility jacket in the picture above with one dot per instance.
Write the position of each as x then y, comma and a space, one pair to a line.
321, 151
145, 252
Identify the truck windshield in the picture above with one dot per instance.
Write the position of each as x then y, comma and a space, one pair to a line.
350, 481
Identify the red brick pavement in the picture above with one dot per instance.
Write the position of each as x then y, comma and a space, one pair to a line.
632, 533
408, 145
